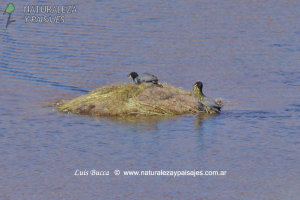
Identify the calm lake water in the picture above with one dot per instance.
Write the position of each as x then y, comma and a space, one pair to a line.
246, 52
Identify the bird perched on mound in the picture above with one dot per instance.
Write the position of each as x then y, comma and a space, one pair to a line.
206, 104
145, 77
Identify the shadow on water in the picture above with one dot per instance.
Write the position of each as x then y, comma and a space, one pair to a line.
136, 123
148, 123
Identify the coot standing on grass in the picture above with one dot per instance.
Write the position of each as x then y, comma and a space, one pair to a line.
206, 104
145, 77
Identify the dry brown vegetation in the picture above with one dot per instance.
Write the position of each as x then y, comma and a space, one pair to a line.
125, 100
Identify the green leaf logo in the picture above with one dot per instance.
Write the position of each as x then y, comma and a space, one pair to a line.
10, 8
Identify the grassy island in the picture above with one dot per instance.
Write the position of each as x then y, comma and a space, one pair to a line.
122, 100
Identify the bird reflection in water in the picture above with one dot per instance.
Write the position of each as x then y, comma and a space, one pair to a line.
202, 117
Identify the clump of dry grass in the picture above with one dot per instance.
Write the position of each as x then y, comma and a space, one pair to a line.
125, 100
